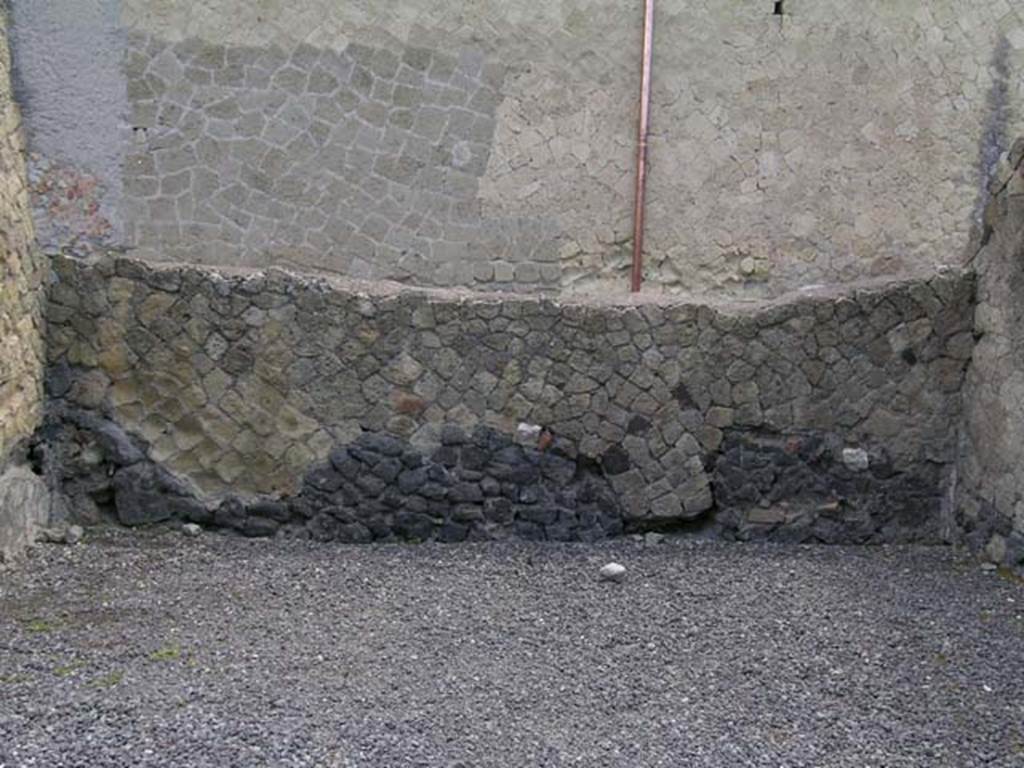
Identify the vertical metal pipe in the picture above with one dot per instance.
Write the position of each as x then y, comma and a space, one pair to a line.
641, 152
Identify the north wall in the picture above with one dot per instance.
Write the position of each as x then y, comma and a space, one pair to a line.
266, 401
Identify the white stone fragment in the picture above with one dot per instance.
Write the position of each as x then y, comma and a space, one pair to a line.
191, 530
856, 459
74, 534
528, 434
613, 572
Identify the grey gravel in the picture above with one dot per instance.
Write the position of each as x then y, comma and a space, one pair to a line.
147, 649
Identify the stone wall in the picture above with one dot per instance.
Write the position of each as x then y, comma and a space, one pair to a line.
491, 144
21, 342
991, 488
356, 411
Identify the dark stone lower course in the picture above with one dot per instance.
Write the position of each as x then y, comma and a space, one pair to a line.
809, 487
799, 486
477, 487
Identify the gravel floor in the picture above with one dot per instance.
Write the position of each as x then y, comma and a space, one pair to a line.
153, 649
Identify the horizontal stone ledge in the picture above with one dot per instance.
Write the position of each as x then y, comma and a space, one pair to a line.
169, 275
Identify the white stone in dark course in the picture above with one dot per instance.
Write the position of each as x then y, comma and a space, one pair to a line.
191, 530
528, 434
856, 459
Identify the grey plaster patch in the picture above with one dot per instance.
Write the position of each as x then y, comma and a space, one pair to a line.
68, 58
365, 161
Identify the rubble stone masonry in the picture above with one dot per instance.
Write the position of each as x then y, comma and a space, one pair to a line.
459, 176
991, 498
21, 328
820, 416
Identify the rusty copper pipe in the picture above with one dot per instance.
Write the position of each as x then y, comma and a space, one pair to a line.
641, 152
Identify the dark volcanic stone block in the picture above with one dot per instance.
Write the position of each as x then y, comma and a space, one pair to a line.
433, 491
467, 513
452, 532
259, 527
324, 527
230, 514
275, 510
447, 455
499, 510
354, 533
465, 492
324, 479
388, 469
452, 434
412, 480
615, 460
145, 494
410, 525
385, 445
529, 531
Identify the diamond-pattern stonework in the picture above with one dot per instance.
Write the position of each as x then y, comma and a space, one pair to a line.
249, 385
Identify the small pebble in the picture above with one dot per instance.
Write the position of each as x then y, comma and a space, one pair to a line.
191, 530
613, 572
989, 567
